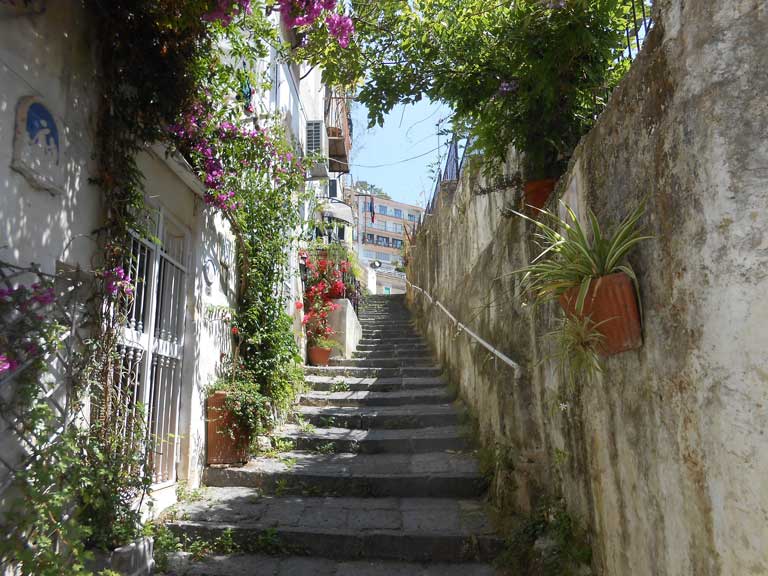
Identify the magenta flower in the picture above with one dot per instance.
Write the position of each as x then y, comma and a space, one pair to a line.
341, 27
7, 364
117, 280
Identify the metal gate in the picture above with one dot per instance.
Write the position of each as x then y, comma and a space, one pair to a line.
153, 337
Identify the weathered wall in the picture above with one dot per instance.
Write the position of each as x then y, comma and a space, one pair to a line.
49, 55
665, 456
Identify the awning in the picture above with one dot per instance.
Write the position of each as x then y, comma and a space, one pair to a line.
339, 211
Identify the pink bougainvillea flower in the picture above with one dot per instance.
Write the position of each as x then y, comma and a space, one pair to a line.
341, 27
5, 363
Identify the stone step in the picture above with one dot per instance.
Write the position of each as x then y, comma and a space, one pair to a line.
327, 383
362, 372
386, 312
394, 340
407, 529
182, 564
368, 326
440, 395
420, 346
389, 417
402, 361
413, 352
390, 332
404, 441
425, 475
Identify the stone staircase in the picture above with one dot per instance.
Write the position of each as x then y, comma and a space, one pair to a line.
380, 480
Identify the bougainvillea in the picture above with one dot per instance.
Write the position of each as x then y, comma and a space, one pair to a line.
304, 13
226, 10
29, 332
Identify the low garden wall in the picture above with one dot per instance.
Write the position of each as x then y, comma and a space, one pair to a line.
664, 456
347, 330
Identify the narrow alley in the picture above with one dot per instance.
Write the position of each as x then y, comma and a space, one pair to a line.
380, 469
383, 288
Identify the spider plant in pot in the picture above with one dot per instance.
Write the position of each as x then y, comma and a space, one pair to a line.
586, 271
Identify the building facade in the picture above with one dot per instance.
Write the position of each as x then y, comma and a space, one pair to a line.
381, 236
49, 210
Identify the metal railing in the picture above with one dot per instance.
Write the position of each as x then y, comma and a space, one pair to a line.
635, 33
339, 130
453, 167
638, 30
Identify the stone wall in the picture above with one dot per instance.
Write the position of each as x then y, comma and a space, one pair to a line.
664, 456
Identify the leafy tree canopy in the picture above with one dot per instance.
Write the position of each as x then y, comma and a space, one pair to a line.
528, 72
367, 188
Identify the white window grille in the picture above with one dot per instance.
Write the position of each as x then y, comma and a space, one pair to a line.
154, 337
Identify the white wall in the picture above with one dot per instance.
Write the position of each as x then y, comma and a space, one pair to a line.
49, 55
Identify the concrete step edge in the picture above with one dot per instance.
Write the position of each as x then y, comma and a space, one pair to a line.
182, 564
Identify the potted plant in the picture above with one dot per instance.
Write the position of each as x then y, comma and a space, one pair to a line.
324, 283
589, 277
319, 345
236, 413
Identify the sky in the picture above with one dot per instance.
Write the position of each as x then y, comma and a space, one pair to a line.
401, 151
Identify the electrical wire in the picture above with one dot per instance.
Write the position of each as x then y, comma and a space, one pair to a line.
390, 163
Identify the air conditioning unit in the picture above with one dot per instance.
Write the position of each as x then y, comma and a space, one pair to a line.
316, 142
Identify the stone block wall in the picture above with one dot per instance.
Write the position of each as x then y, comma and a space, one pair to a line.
664, 456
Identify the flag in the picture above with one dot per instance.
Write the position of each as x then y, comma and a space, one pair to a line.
373, 214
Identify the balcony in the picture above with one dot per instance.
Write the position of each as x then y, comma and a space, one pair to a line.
338, 127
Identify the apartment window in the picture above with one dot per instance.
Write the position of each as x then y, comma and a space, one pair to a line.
369, 238
382, 209
383, 256
397, 227
411, 217
398, 213
333, 187
397, 243
369, 254
341, 232
382, 240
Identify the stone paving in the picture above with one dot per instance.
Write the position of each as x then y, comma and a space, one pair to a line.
379, 480
301, 566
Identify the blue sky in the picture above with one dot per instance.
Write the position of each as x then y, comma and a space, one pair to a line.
408, 132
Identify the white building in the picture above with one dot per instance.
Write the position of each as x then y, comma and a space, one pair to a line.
49, 212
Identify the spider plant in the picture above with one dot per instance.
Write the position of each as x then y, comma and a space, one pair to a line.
578, 341
569, 258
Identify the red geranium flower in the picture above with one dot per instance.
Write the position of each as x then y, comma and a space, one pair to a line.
299, 305
235, 331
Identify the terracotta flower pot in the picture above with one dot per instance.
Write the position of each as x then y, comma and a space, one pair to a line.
226, 443
318, 356
612, 305
537, 192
